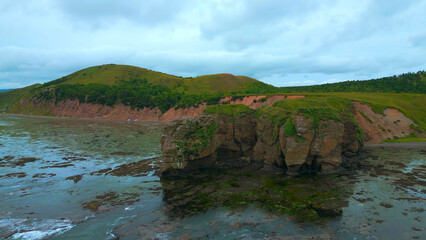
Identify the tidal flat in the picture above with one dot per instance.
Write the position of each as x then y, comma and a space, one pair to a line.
83, 179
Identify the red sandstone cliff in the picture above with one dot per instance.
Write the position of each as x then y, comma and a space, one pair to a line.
76, 109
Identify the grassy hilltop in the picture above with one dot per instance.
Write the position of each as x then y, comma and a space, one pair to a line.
112, 74
137, 87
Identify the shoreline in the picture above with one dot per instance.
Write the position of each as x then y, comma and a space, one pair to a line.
84, 119
367, 146
395, 145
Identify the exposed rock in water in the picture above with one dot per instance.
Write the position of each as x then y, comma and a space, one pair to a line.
222, 141
23, 161
75, 178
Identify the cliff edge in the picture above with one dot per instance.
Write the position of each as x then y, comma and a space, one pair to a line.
295, 135
316, 134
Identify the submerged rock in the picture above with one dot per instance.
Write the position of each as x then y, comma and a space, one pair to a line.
298, 145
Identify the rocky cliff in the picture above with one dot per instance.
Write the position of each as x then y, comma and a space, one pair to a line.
379, 127
297, 144
77, 109
297, 135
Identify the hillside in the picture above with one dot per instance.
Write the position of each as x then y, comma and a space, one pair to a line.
10, 97
112, 74
136, 87
404, 83
107, 88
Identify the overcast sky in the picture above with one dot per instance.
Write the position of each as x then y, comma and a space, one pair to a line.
282, 42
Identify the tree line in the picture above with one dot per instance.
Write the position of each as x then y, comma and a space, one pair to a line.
136, 93
404, 83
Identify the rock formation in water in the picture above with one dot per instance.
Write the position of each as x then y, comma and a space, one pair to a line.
222, 141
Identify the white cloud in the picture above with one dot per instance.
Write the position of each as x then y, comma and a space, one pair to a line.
281, 42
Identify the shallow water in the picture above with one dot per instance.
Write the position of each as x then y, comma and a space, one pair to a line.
72, 179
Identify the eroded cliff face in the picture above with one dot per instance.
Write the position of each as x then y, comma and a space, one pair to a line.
76, 109
379, 127
217, 141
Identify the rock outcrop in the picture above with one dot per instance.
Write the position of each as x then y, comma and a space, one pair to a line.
379, 127
218, 141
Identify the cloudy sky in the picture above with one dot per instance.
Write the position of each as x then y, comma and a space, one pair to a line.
282, 42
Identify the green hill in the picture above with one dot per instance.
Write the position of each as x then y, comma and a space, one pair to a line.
138, 88
10, 97
404, 83
112, 74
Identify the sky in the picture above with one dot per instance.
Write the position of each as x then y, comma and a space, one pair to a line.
280, 42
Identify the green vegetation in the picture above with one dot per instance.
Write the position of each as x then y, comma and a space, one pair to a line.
110, 74
259, 88
139, 88
411, 105
136, 93
204, 134
315, 107
307, 198
234, 110
365, 116
410, 138
198, 139
223, 83
404, 83
10, 97
289, 128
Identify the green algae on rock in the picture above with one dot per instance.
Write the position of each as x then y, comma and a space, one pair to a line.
307, 198
298, 135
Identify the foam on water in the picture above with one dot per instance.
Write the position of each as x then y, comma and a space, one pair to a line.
33, 229
413, 165
162, 236
129, 208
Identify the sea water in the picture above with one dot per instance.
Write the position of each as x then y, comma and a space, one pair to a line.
57, 181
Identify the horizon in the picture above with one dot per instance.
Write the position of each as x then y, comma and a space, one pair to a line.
281, 43
8, 89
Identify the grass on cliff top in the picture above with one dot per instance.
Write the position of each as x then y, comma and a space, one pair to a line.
407, 139
313, 107
411, 105
410, 138
233, 110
